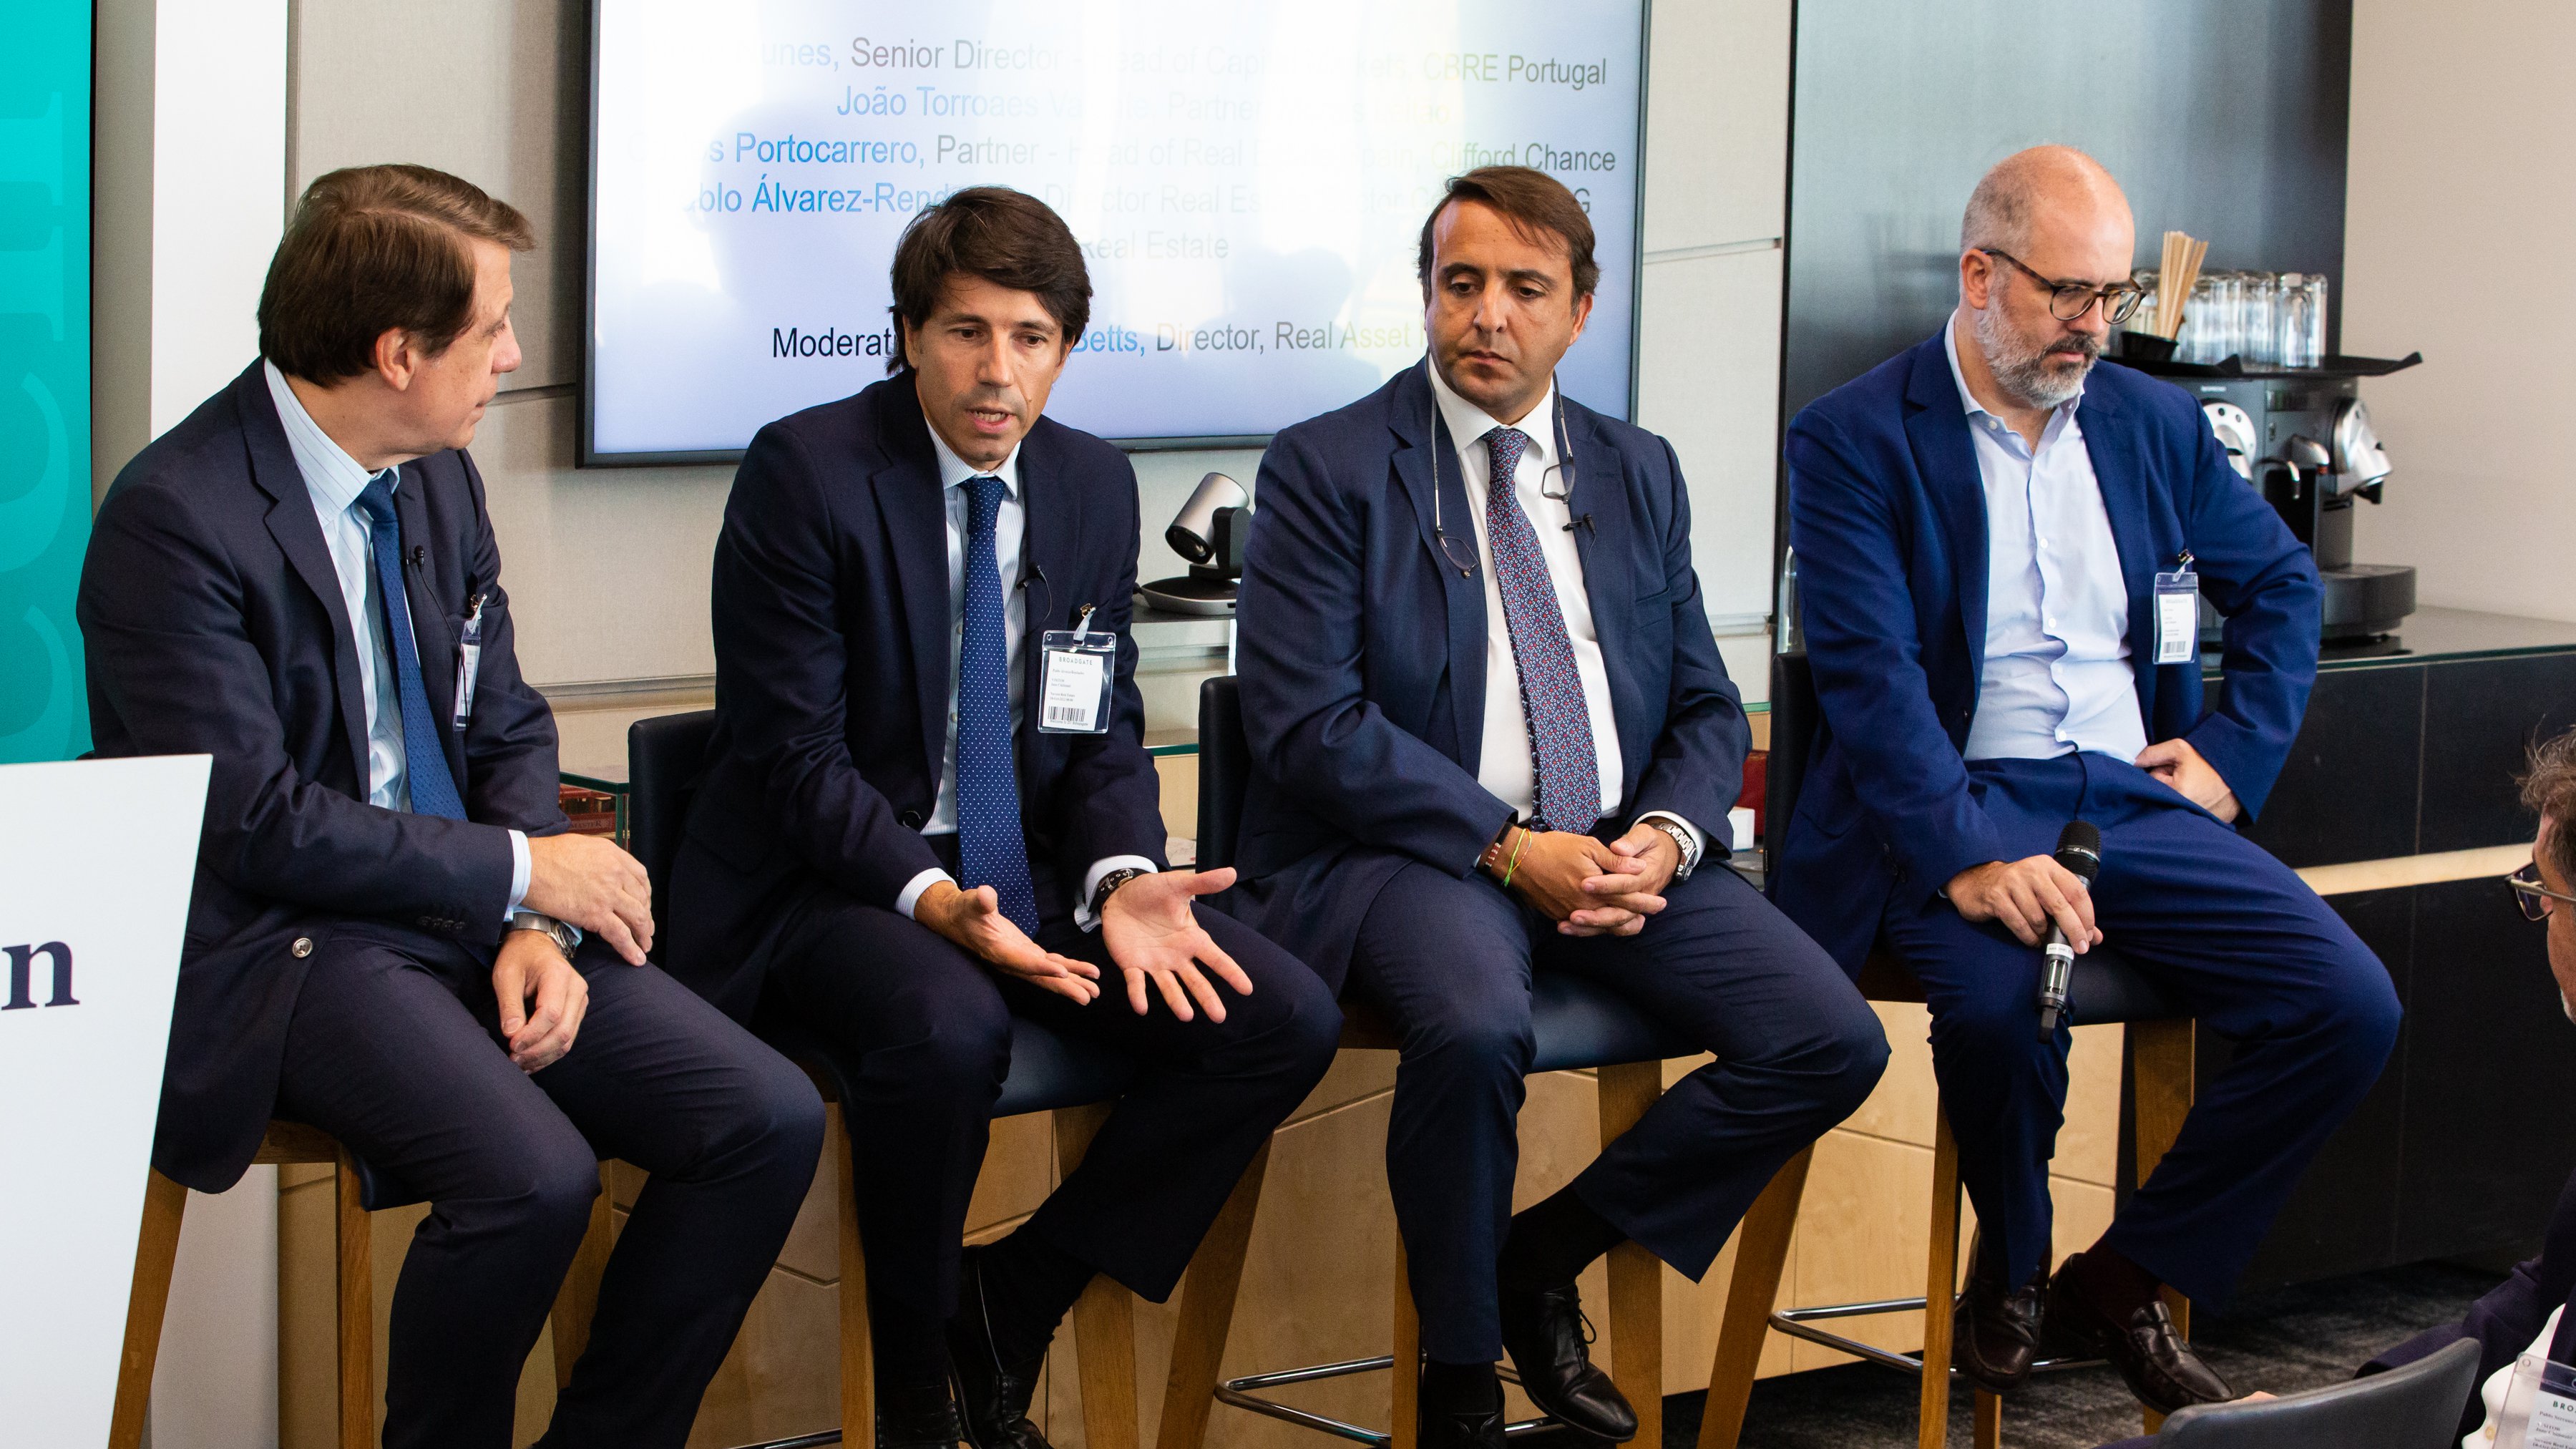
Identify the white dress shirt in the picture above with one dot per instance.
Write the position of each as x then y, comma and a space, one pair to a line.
1505, 766
2057, 677
334, 480
1009, 523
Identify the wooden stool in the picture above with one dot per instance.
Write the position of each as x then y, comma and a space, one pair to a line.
2158, 1051
294, 1144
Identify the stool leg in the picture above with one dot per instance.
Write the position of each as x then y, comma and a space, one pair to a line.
1636, 1275
858, 1356
1940, 1286
1989, 1421
1406, 1375
577, 1302
1104, 1325
357, 1307
1761, 1252
1207, 1312
2160, 1075
156, 1251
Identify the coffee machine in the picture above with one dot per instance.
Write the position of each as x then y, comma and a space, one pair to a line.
2304, 440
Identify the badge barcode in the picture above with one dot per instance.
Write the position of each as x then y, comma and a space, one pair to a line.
1066, 714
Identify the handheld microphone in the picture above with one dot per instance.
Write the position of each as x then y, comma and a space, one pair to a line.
2079, 850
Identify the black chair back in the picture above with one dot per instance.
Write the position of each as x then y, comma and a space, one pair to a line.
664, 757
2415, 1407
1793, 736
1225, 769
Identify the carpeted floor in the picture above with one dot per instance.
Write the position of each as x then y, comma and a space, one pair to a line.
2281, 1340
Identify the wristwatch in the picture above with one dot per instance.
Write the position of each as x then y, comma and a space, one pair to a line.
556, 931
1109, 885
1681, 841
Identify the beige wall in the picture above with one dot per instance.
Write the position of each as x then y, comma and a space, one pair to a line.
2460, 235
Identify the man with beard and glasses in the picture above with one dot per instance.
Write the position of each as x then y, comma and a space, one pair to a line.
1998, 545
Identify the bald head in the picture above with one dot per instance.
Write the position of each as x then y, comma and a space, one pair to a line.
2050, 187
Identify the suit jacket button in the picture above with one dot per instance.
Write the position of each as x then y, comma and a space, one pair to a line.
302, 948
909, 820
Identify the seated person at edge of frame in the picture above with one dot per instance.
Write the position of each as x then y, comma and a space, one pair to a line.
1490, 730
1998, 547
392, 936
927, 806
2528, 1312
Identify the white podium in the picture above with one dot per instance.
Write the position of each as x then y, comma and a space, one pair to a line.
95, 863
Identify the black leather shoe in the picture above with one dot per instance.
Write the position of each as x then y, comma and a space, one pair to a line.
992, 1396
1550, 1343
918, 1428
2150, 1354
1434, 1430
1994, 1328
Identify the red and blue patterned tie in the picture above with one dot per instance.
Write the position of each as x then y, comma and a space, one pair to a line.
1560, 724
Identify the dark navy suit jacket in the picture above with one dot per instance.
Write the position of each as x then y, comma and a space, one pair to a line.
214, 624
1362, 656
1887, 518
832, 640
2507, 1320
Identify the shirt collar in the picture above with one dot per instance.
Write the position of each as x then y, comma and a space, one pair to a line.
954, 471
1968, 400
1468, 422
330, 474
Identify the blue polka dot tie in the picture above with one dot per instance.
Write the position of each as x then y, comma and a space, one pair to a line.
990, 848
433, 788
1560, 724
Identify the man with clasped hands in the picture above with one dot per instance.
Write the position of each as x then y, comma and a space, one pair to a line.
392, 936
1491, 732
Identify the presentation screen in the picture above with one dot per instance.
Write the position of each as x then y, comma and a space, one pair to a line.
1247, 180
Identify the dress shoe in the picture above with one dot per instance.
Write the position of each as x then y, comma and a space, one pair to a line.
1994, 1328
1549, 1340
992, 1396
918, 1428
2143, 1345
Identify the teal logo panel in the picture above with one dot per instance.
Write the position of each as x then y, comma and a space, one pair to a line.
44, 375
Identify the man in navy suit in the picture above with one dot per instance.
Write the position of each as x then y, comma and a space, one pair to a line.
1491, 731
387, 936
927, 805
1998, 545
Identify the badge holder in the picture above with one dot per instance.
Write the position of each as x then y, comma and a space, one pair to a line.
2539, 1406
469, 662
2178, 614
1081, 665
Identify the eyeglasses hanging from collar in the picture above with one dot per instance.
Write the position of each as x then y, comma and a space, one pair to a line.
1461, 552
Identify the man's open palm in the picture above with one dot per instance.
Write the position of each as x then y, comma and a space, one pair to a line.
1156, 939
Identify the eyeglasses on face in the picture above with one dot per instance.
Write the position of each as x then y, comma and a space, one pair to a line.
2069, 300
2531, 895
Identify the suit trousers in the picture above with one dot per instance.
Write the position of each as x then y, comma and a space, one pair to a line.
932, 1025
1449, 960
2231, 933
394, 1048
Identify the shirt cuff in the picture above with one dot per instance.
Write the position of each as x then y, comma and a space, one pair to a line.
1698, 838
1082, 913
518, 874
910, 895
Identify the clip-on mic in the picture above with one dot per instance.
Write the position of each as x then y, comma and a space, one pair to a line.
2079, 850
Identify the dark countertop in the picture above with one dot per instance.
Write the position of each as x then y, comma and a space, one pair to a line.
2436, 635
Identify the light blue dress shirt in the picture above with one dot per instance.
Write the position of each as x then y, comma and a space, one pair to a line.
2058, 677
334, 480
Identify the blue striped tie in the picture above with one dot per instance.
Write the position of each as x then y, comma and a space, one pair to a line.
990, 849
433, 789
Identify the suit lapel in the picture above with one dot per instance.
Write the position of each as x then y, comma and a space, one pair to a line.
2122, 480
1597, 491
437, 647
299, 536
1048, 553
1937, 427
1419, 470
915, 511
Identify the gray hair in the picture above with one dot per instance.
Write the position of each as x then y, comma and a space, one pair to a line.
2000, 209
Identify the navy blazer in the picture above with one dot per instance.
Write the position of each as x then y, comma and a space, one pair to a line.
1887, 517
832, 636
213, 623
1362, 656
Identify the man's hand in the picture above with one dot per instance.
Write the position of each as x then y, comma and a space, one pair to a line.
1584, 886
530, 969
2026, 895
2177, 764
1632, 889
974, 920
590, 883
1156, 939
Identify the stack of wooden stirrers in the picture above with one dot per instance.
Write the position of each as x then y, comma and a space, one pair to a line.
2181, 268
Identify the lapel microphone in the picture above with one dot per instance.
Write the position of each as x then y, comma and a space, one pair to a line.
419, 556
1584, 522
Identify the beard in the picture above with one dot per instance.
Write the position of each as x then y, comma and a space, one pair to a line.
2028, 368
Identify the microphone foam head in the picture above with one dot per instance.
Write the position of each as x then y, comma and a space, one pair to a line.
2079, 849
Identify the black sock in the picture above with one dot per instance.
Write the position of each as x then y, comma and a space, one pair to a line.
2117, 1286
1553, 1242
901, 1397
1029, 1284
1460, 1388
